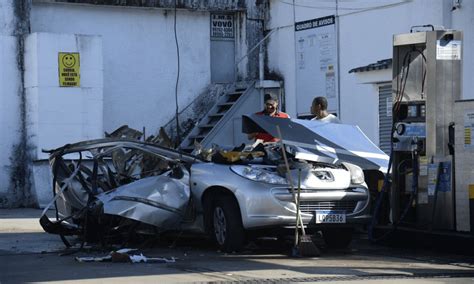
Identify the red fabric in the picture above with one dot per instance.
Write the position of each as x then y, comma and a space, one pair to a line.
265, 136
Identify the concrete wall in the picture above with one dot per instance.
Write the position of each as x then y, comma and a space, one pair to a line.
14, 169
9, 105
137, 72
464, 163
8, 20
9, 87
365, 36
463, 20
60, 115
139, 57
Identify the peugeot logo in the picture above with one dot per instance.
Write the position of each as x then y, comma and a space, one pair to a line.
324, 175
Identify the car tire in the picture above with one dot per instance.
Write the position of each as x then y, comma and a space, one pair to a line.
338, 237
226, 224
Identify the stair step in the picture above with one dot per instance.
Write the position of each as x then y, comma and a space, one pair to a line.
234, 97
188, 149
241, 86
197, 137
216, 115
235, 93
226, 104
207, 126
203, 131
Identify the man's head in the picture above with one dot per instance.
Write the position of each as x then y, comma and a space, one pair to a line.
271, 104
319, 105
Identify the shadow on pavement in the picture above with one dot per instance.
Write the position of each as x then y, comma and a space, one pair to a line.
198, 260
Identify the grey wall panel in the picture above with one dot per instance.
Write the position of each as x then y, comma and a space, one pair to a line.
222, 61
385, 119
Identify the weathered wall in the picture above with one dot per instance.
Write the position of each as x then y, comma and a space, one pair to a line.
15, 170
139, 59
9, 104
216, 5
60, 115
139, 56
365, 37
254, 27
463, 20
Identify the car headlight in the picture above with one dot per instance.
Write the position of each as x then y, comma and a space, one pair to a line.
258, 174
357, 175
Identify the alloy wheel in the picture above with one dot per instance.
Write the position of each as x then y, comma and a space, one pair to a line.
219, 225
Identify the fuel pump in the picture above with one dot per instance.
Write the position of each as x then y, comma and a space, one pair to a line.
426, 83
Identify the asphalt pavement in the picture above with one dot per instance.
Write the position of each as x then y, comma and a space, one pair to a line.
27, 254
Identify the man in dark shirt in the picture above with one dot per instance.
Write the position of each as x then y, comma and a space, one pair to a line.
270, 109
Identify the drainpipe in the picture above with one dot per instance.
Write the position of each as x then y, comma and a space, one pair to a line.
295, 94
261, 56
338, 57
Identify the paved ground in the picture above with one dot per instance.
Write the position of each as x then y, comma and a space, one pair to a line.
27, 254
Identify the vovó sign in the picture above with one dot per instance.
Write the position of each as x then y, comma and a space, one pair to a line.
222, 25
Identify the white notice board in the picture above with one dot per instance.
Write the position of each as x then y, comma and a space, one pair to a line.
316, 64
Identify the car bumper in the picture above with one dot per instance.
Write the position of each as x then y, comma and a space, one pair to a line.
276, 207
266, 205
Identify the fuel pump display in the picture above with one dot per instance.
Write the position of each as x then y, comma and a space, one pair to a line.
410, 130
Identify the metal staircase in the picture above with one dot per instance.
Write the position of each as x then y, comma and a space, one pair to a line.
222, 113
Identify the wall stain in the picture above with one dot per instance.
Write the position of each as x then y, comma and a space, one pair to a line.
253, 18
205, 5
20, 189
190, 115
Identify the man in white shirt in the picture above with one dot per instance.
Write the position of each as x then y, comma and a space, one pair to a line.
319, 109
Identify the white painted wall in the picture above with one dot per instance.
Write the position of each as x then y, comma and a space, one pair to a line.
7, 18
139, 57
365, 37
9, 106
463, 20
9, 92
60, 115
464, 165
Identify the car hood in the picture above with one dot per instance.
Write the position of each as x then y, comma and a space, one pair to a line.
317, 141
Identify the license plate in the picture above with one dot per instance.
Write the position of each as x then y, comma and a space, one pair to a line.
327, 216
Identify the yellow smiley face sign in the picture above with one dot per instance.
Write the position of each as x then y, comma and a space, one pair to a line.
69, 69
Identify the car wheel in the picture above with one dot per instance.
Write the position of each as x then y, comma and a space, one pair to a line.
227, 229
338, 237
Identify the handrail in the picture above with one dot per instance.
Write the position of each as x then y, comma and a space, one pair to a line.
260, 42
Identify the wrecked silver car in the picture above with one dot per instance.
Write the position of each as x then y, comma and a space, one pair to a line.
112, 187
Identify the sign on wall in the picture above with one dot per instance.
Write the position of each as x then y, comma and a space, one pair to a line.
69, 69
316, 64
222, 25
469, 129
448, 50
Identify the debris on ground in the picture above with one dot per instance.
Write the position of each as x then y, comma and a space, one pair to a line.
126, 255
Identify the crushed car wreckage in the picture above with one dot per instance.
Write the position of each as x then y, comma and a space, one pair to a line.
109, 188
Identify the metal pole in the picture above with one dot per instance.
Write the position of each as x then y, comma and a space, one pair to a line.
261, 70
338, 60
296, 56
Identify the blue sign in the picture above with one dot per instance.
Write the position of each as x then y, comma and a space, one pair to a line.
415, 130
444, 183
